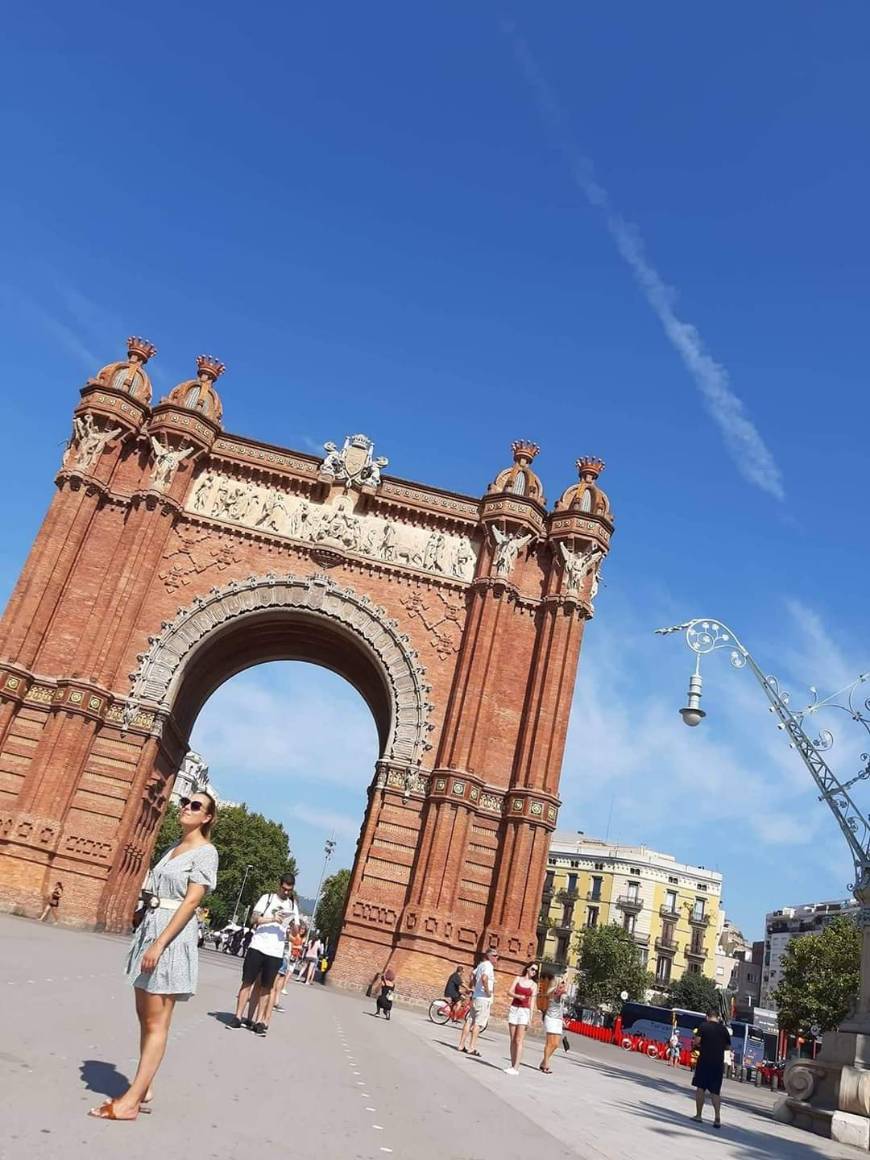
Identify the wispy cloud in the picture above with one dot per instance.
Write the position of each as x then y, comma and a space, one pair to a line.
747, 448
328, 821
58, 328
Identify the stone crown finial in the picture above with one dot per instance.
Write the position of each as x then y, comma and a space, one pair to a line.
210, 366
524, 449
590, 466
140, 348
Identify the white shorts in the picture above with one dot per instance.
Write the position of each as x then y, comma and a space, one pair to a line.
553, 1025
479, 1013
519, 1016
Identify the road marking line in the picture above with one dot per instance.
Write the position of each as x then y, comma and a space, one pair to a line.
371, 1109
359, 1083
378, 1127
386, 1149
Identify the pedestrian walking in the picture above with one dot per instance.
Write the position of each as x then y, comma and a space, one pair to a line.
482, 991
551, 1004
674, 1048
522, 994
311, 957
163, 960
712, 1040
53, 903
273, 914
387, 985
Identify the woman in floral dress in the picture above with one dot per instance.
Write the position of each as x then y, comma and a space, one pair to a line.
163, 960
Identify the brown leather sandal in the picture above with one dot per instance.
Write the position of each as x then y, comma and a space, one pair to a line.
107, 1111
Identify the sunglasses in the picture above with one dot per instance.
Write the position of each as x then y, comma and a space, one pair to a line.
187, 804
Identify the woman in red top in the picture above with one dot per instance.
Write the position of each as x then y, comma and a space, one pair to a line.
522, 994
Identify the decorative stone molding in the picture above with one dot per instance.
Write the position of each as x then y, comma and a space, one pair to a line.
162, 667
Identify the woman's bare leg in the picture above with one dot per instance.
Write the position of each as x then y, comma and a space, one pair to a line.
155, 1015
550, 1045
517, 1046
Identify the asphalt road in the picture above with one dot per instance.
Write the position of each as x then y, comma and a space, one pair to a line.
329, 1082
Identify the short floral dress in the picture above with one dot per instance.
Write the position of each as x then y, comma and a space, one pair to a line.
177, 968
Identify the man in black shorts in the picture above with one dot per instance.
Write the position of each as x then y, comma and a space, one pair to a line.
712, 1040
274, 914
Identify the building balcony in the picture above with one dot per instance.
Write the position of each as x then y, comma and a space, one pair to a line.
568, 895
696, 953
641, 940
593, 896
666, 946
699, 919
562, 927
630, 903
669, 912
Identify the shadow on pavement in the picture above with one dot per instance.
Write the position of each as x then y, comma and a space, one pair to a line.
753, 1145
730, 1097
225, 1017
104, 1078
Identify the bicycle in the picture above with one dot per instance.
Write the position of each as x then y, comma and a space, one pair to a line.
444, 1010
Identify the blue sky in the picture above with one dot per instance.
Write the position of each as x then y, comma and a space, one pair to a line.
638, 232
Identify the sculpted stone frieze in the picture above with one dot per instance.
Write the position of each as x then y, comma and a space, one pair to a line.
336, 525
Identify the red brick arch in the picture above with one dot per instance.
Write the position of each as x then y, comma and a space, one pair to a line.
173, 556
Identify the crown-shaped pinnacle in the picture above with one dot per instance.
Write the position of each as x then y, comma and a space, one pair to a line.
140, 349
210, 366
524, 449
590, 467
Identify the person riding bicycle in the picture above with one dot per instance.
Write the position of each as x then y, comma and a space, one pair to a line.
455, 989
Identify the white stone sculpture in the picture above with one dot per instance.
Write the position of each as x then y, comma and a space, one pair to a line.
387, 546
90, 441
273, 508
354, 463
463, 555
433, 557
577, 564
201, 492
166, 461
507, 548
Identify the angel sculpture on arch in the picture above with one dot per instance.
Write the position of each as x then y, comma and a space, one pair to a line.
507, 548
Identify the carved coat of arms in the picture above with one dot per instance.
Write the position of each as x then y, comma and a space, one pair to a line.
355, 463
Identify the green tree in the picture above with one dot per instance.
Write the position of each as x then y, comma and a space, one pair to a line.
242, 838
608, 964
694, 993
330, 908
820, 978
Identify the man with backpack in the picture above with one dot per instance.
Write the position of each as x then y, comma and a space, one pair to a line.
274, 914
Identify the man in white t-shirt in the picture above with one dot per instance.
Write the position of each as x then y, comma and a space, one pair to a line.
274, 914
482, 990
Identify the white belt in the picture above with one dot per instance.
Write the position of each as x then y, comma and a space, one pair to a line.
156, 903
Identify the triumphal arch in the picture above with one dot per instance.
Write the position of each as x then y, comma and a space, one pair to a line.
174, 555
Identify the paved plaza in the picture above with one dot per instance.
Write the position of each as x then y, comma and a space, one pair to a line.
329, 1081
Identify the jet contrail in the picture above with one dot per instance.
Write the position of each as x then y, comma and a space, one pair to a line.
750, 453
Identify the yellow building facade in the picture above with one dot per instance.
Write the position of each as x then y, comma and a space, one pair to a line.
672, 910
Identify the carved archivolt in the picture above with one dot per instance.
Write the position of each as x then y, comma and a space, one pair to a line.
161, 669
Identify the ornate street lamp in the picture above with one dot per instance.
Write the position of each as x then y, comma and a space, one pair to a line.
838, 1079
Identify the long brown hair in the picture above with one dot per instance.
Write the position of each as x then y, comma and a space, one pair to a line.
205, 828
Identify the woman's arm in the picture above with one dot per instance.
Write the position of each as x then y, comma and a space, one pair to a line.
512, 994
192, 899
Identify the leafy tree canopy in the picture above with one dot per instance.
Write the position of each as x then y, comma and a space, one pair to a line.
242, 838
694, 993
330, 909
820, 978
609, 963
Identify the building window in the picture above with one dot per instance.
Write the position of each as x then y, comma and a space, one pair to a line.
674, 881
542, 942
697, 945
548, 881
595, 892
628, 922
668, 934
572, 881
562, 949
702, 885
671, 900
633, 889
694, 969
634, 870
567, 913
574, 865
698, 908
663, 969
592, 917
598, 866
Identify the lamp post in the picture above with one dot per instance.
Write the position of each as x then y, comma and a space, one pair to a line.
839, 1079
248, 870
328, 848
